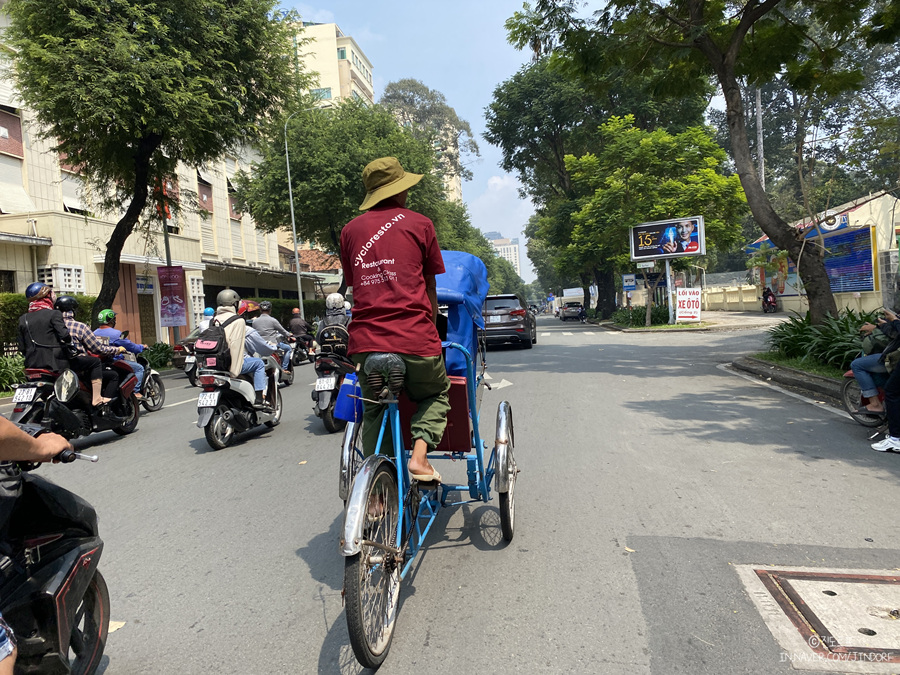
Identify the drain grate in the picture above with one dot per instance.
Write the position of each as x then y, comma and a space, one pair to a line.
825, 619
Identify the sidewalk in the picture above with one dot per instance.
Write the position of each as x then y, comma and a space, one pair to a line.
717, 320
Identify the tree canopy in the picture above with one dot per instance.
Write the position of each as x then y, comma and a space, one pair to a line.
733, 43
328, 149
128, 90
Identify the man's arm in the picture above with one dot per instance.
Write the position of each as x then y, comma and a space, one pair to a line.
431, 290
16, 445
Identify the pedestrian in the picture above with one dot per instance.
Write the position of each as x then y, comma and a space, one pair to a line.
390, 257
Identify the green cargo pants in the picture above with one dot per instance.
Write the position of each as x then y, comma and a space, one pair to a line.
427, 384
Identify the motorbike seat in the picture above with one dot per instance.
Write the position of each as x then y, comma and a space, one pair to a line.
40, 373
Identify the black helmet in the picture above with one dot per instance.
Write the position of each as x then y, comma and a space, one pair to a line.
37, 290
66, 303
265, 306
228, 298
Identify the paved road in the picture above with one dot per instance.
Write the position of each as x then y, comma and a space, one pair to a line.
648, 472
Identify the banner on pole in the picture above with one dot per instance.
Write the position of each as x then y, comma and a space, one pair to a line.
173, 311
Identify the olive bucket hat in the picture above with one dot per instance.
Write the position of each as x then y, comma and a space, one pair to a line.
383, 178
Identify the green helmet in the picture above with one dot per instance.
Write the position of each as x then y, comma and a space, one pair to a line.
107, 316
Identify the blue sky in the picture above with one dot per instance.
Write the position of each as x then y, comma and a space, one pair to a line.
460, 50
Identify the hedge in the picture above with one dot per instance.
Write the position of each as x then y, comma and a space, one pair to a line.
14, 305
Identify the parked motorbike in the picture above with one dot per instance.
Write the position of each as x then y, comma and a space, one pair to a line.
61, 402
225, 406
332, 364
51, 593
769, 303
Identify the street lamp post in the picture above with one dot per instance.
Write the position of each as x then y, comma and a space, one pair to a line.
287, 159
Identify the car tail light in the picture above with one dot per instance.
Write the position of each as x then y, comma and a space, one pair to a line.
518, 312
179, 348
207, 380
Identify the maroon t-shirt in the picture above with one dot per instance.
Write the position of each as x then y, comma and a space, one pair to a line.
386, 254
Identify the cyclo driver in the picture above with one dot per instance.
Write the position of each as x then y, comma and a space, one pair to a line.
390, 256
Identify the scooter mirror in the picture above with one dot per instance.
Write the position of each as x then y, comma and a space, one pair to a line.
124, 334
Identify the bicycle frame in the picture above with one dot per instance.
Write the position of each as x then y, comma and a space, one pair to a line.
419, 524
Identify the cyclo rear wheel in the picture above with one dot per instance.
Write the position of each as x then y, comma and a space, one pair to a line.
372, 576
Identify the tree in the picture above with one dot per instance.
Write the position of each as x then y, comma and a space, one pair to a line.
328, 150
426, 113
638, 176
704, 39
128, 90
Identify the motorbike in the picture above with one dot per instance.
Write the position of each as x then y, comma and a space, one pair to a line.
152, 388
769, 304
225, 404
331, 364
302, 352
61, 402
51, 593
853, 400
191, 369
285, 376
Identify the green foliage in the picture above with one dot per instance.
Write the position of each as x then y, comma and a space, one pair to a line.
636, 316
159, 355
834, 342
638, 176
12, 370
14, 305
426, 113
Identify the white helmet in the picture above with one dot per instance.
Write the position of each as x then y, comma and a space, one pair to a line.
346, 305
334, 301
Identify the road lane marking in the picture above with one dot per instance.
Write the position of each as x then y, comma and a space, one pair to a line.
172, 405
501, 384
568, 333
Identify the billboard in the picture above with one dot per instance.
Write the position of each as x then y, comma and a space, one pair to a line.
675, 238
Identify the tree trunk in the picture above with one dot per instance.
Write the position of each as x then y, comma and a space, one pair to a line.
606, 293
123, 229
809, 258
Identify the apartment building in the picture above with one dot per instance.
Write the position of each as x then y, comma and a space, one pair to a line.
51, 230
508, 249
343, 69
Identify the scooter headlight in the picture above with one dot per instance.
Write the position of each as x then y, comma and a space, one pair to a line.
66, 386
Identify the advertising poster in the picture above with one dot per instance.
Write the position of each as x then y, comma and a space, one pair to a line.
676, 238
173, 308
687, 304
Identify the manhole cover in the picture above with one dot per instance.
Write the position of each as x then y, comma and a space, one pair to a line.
827, 619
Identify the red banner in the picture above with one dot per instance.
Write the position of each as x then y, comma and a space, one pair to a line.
173, 311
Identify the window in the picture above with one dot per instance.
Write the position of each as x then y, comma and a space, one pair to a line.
237, 244
72, 190
198, 299
262, 252
13, 197
322, 94
11, 140
7, 281
63, 278
342, 52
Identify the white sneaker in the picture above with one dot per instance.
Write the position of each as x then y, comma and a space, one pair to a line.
889, 444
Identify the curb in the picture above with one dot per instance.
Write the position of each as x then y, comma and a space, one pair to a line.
825, 386
686, 329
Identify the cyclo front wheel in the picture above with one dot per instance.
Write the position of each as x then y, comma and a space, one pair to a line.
372, 576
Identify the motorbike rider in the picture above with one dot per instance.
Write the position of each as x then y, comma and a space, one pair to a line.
18, 446
768, 297
43, 338
83, 362
335, 313
108, 330
301, 329
208, 314
228, 303
271, 330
